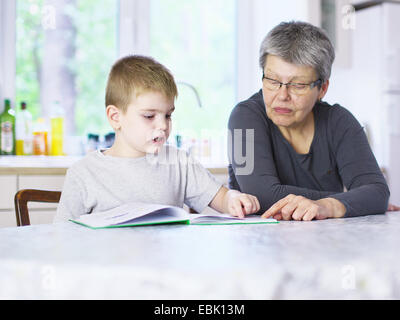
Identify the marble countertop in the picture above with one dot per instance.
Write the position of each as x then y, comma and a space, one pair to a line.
352, 258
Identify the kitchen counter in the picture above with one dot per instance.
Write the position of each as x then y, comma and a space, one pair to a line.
36, 165
58, 165
348, 258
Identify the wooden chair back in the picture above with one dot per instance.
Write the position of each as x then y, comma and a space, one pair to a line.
22, 197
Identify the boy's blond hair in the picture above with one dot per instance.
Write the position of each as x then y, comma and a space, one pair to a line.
133, 75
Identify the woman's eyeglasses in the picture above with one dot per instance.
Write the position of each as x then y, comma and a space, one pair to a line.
292, 87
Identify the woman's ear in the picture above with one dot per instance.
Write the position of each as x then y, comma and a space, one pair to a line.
323, 90
113, 116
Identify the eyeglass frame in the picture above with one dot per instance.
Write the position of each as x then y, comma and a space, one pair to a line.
311, 85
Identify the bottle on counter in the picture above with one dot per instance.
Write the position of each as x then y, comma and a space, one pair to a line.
194, 148
57, 129
178, 141
24, 135
206, 148
109, 140
7, 131
93, 142
40, 132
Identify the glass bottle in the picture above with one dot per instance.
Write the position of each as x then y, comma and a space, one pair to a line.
7, 132
40, 144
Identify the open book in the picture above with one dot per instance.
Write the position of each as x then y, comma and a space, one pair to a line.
140, 214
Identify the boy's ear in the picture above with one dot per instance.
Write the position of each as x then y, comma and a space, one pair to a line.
113, 116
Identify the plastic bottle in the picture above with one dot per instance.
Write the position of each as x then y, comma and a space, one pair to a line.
40, 131
24, 144
57, 129
178, 141
194, 148
206, 148
7, 130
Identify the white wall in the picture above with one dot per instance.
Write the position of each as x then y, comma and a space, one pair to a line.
370, 86
256, 18
359, 86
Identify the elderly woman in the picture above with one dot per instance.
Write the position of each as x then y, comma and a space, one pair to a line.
312, 160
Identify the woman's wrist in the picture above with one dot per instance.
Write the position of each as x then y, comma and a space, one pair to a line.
334, 208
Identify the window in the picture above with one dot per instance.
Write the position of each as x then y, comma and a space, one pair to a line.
64, 51
196, 40
65, 48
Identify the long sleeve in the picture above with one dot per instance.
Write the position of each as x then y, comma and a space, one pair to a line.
367, 192
264, 181
71, 203
340, 157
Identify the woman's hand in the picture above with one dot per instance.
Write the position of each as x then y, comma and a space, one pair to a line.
300, 208
393, 207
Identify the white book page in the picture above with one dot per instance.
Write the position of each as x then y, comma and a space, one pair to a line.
227, 218
119, 215
167, 214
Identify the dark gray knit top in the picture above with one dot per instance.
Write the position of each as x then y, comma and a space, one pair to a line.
339, 157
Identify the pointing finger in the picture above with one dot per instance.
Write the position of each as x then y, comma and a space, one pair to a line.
275, 208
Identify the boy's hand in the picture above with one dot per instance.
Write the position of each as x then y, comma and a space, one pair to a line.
239, 204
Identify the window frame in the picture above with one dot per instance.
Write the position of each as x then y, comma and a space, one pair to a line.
134, 27
7, 51
134, 37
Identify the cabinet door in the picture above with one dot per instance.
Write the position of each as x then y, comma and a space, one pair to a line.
7, 218
8, 187
36, 216
44, 182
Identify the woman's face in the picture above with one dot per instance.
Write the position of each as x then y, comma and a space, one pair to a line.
285, 107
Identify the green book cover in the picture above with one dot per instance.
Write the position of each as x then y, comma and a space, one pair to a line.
144, 214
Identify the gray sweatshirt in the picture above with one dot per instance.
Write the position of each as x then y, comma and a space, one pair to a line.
339, 157
99, 182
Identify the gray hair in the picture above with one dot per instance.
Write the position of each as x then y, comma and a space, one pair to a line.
300, 43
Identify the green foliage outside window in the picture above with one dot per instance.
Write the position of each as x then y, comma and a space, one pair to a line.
194, 39
93, 34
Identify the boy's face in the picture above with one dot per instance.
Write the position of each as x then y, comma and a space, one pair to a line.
146, 125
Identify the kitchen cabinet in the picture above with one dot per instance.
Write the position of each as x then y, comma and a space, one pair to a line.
47, 173
39, 212
30, 172
8, 188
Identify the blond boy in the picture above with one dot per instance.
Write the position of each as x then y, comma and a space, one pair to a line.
140, 99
